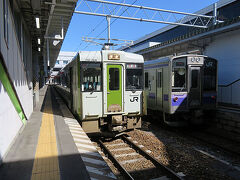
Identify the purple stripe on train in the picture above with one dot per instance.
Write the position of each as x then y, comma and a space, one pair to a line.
151, 95
182, 99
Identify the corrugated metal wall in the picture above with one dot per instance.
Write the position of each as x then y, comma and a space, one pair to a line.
21, 77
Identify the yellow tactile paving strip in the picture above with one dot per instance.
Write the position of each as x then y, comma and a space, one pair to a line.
46, 165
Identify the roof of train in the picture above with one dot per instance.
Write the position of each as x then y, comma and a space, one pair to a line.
103, 56
168, 58
100, 56
161, 60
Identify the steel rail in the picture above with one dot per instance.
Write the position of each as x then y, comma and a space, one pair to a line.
116, 163
168, 171
226, 148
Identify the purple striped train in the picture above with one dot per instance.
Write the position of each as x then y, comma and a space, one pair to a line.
181, 88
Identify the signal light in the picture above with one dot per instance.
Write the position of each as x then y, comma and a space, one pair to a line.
213, 97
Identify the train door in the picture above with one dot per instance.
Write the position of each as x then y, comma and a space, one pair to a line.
194, 95
114, 88
71, 86
159, 88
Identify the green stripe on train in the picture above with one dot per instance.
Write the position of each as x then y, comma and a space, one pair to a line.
9, 89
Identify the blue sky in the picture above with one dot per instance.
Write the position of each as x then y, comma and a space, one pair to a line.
83, 25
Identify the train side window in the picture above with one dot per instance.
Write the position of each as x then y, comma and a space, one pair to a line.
91, 76
146, 79
113, 78
210, 75
159, 78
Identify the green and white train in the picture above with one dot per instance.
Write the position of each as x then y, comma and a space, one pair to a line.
105, 90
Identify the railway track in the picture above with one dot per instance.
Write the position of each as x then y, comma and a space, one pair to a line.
135, 153
225, 144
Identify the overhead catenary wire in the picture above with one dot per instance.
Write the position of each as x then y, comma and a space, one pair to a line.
111, 23
94, 27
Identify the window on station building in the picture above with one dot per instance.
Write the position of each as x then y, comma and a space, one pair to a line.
5, 19
57, 62
65, 62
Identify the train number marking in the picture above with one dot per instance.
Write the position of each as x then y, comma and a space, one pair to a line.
209, 64
134, 99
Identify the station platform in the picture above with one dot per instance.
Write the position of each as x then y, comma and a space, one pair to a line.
52, 145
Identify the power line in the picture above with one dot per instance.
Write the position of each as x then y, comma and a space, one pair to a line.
112, 22
97, 27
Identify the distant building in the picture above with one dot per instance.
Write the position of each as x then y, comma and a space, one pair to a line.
63, 59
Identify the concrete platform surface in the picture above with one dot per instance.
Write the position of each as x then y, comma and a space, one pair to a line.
53, 146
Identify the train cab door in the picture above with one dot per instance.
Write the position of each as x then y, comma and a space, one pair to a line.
159, 89
114, 88
194, 78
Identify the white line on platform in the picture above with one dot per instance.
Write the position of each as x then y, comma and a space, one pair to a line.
100, 171
79, 132
71, 124
76, 128
69, 119
83, 136
85, 146
74, 125
94, 161
84, 151
80, 138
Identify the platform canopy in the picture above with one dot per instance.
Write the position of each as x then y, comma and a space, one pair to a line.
54, 18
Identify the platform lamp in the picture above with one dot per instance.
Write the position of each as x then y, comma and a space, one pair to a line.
37, 18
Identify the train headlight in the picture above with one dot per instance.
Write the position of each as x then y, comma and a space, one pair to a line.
175, 99
113, 56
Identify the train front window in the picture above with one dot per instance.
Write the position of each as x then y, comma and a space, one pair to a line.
179, 79
195, 74
134, 77
91, 76
210, 73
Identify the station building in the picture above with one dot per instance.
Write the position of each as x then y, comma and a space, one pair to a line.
63, 59
31, 35
220, 42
